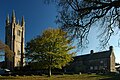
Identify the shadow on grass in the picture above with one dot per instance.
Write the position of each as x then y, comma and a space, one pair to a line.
117, 77
93, 76
6, 77
113, 77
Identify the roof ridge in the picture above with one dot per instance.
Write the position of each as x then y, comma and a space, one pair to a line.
101, 52
94, 53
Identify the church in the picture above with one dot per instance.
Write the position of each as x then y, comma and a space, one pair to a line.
15, 38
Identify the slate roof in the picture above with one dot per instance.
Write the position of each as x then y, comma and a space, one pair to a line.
93, 56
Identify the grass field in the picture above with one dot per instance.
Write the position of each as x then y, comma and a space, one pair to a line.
62, 77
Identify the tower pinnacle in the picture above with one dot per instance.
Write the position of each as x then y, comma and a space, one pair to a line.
13, 16
7, 19
23, 21
13, 13
18, 22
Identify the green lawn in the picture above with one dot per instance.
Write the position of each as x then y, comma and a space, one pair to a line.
62, 77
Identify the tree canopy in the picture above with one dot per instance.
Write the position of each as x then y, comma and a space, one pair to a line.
50, 50
78, 16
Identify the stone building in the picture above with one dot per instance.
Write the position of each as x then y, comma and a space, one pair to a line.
14, 38
94, 62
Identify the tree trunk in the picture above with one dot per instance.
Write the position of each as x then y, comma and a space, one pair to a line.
49, 71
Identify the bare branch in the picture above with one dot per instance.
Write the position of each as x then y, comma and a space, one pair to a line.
78, 16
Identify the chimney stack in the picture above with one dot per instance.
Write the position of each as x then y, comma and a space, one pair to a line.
111, 48
91, 52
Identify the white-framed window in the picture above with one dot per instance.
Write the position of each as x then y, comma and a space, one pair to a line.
91, 67
96, 67
101, 61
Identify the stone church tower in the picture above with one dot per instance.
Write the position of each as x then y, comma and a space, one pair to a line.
14, 38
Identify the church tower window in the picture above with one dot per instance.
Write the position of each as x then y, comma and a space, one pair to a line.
19, 52
18, 32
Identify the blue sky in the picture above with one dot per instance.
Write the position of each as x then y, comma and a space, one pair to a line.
38, 17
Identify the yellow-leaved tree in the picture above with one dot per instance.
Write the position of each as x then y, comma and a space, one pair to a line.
50, 50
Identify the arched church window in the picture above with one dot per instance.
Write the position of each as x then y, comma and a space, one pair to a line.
18, 32
18, 63
18, 52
